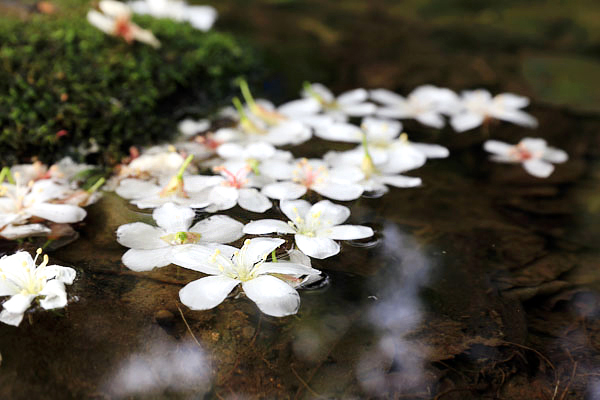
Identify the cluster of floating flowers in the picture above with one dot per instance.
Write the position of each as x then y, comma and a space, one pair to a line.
250, 171
247, 169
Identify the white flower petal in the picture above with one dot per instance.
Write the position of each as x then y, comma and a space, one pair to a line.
101, 21
9, 318
197, 257
346, 232
554, 155
189, 127
400, 181
465, 121
284, 190
139, 235
173, 218
263, 226
201, 17
339, 132
359, 110
207, 293
386, 97
146, 260
218, 229
516, 117
272, 296
284, 267
317, 247
276, 169
196, 183
328, 212
55, 295
18, 303
136, 189
13, 232
497, 147
61, 213
294, 208
432, 150
306, 106
353, 97
257, 249
222, 198
431, 118
253, 200
339, 191
538, 168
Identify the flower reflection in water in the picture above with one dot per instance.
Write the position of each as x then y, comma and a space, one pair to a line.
166, 366
396, 312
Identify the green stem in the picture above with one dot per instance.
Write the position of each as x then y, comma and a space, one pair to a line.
239, 107
273, 256
96, 185
246, 93
185, 164
308, 87
365, 145
5, 174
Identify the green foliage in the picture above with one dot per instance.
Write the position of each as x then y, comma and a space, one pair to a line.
60, 74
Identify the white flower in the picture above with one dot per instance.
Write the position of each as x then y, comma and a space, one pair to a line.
18, 203
334, 183
348, 104
21, 279
180, 189
155, 163
229, 267
155, 246
261, 122
315, 228
236, 185
425, 104
12, 232
200, 17
189, 127
261, 157
478, 107
115, 20
535, 155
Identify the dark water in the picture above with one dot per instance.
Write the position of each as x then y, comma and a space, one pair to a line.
482, 283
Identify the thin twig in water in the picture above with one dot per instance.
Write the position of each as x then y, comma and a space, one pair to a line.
188, 327
543, 357
562, 397
305, 384
257, 330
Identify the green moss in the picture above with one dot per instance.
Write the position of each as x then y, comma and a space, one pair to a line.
60, 74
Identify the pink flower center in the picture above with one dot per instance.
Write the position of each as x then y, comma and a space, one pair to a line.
124, 29
236, 180
521, 153
305, 174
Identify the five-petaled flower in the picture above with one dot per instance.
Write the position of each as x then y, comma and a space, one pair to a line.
154, 246
24, 281
247, 266
534, 153
315, 227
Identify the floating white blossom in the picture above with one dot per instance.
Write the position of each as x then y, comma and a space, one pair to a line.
25, 281
115, 20
425, 104
534, 153
348, 104
334, 183
247, 266
200, 17
315, 227
154, 246
478, 107
19, 203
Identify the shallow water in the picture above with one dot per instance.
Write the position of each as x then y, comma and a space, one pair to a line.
482, 283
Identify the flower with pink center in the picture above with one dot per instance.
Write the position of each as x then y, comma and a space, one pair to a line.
534, 153
334, 183
115, 20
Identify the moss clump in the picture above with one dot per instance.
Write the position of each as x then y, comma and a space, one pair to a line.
65, 84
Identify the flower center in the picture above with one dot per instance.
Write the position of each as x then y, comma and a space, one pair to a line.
521, 153
236, 180
124, 29
268, 116
305, 174
238, 267
175, 185
209, 141
178, 238
308, 226
31, 281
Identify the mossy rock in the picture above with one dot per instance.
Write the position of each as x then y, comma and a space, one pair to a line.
65, 85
